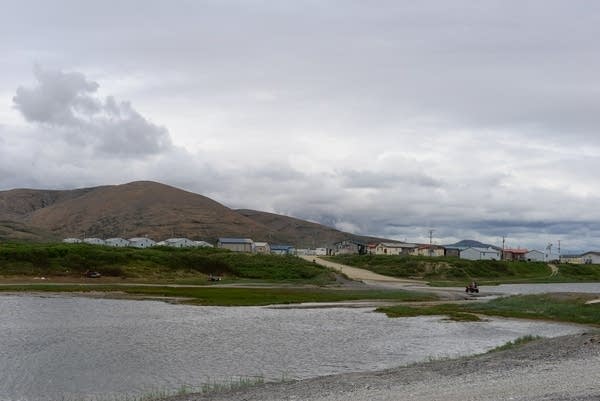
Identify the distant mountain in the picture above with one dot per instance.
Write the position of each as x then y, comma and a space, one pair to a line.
467, 243
146, 208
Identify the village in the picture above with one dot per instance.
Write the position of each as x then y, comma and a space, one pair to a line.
354, 247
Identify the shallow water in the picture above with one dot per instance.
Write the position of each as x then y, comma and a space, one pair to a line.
73, 348
513, 289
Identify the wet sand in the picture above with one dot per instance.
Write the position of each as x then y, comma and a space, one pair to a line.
558, 369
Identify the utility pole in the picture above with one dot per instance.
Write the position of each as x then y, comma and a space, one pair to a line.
431, 230
503, 242
559, 250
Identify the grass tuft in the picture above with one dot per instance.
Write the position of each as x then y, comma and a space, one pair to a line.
515, 343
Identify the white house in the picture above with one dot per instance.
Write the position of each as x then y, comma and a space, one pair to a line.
262, 247
591, 258
179, 242
395, 248
321, 251
94, 241
572, 259
141, 242
480, 254
117, 242
535, 256
71, 241
203, 244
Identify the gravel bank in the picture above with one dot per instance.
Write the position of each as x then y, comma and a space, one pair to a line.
562, 368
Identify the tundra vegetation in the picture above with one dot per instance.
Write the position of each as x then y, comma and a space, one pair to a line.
448, 271
557, 307
157, 264
266, 279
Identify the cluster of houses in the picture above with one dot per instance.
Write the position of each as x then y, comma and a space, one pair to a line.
351, 246
470, 253
233, 244
139, 242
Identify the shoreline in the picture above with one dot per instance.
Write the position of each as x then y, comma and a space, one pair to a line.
559, 369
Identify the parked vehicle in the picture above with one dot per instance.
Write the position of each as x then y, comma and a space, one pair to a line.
472, 288
92, 274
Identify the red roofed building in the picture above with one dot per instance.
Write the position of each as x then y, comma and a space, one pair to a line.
514, 254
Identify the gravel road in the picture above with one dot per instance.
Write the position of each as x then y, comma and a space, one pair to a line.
557, 369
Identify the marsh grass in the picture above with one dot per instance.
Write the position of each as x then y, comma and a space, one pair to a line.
516, 343
230, 296
207, 387
556, 307
436, 310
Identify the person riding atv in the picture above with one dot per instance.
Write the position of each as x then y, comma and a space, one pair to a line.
472, 288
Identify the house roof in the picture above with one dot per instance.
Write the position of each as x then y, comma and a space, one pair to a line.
281, 247
139, 239
515, 250
260, 244
235, 241
397, 245
483, 250
177, 239
591, 253
351, 241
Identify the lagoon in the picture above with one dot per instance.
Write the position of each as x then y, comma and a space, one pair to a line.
61, 347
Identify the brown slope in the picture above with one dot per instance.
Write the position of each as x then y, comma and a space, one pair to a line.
143, 208
302, 233
17, 204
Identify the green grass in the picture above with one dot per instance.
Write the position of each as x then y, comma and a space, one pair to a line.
516, 343
446, 271
437, 310
154, 264
208, 387
232, 296
557, 307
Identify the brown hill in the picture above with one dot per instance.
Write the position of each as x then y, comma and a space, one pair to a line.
146, 208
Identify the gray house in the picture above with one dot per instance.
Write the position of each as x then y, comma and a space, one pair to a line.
535, 256
94, 241
236, 244
141, 242
349, 247
117, 242
480, 254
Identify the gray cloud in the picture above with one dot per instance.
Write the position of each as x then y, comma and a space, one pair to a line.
476, 119
67, 104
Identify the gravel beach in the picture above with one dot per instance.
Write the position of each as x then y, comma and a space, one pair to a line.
562, 368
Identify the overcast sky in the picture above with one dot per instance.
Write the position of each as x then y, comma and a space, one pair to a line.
479, 119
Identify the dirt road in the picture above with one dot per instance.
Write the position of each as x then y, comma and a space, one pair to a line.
355, 273
387, 282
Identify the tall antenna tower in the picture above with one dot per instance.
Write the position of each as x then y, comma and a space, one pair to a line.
431, 230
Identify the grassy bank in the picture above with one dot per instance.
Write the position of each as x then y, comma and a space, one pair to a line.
455, 271
230, 296
557, 307
154, 264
